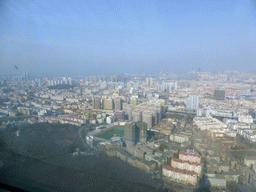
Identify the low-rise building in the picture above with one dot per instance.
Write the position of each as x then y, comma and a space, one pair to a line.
222, 167
249, 161
214, 180
213, 157
231, 176
110, 119
180, 175
179, 138
121, 154
186, 165
148, 166
192, 157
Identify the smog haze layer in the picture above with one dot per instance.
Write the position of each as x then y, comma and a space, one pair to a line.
62, 38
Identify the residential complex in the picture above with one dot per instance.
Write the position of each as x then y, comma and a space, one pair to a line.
156, 123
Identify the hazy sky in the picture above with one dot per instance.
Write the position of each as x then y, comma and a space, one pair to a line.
92, 37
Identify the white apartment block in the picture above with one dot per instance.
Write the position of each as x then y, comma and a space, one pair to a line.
192, 157
208, 123
179, 138
245, 119
186, 165
248, 134
180, 175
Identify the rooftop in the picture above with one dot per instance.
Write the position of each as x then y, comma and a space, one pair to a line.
190, 154
192, 173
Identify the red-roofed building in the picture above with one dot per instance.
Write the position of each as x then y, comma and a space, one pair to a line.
192, 157
181, 175
186, 165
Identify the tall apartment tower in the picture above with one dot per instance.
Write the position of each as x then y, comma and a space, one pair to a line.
155, 117
135, 132
129, 134
25, 76
129, 110
192, 103
69, 81
96, 102
108, 104
136, 116
118, 103
147, 80
134, 102
142, 127
219, 94
151, 81
147, 118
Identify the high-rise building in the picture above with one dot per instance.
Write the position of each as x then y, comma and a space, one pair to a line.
69, 81
33, 83
65, 80
118, 103
155, 117
142, 131
219, 94
192, 103
124, 106
175, 85
147, 118
129, 134
147, 80
151, 81
134, 102
136, 116
129, 110
108, 104
25, 76
135, 132
96, 102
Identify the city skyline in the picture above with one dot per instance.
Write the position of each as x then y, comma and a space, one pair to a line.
109, 95
189, 129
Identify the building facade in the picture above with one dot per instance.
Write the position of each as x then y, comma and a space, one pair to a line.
186, 165
135, 132
96, 103
192, 103
180, 175
192, 157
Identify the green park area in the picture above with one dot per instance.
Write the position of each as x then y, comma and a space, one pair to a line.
117, 131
